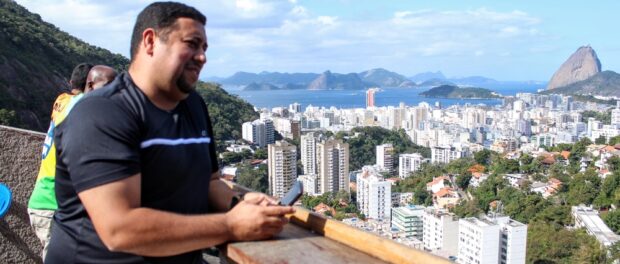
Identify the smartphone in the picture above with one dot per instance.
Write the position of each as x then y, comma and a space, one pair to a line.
293, 194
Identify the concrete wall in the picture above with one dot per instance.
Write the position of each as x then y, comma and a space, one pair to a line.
20, 156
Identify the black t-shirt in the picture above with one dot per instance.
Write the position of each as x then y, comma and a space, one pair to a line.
114, 133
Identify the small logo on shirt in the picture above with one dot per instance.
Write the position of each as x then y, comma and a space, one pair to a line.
203, 133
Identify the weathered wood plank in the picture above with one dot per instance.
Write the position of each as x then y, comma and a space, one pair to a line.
296, 245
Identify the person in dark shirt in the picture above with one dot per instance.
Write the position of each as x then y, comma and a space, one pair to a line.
137, 176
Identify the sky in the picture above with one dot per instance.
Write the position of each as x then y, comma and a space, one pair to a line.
504, 40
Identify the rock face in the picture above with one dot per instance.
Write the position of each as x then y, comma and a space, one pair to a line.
582, 65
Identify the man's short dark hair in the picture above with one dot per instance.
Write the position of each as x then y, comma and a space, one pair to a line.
79, 74
161, 16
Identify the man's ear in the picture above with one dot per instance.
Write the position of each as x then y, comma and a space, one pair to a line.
148, 41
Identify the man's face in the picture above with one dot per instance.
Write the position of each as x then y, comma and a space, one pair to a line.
180, 57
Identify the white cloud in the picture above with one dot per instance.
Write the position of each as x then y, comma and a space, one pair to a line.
271, 35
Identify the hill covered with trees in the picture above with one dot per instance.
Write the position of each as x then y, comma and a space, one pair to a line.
36, 60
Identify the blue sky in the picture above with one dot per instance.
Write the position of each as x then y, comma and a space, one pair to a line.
505, 40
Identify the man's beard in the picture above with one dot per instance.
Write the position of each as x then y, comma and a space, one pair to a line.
185, 86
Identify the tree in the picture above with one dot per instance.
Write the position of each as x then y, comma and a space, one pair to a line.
8, 118
614, 163
462, 180
483, 157
612, 219
255, 179
600, 140
260, 153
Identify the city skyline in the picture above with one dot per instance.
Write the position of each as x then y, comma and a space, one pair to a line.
505, 41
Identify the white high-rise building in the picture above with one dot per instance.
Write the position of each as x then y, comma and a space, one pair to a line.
332, 158
374, 195
478, 241
310, 183
385, 156
409, 220
408, 163
445, 154
282, 161
259, 132
615, 115
491, 240
308, 153
441, 231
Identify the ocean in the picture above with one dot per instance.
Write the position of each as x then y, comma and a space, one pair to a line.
357, 98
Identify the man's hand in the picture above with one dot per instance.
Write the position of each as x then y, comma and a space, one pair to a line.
266, 199
252, 220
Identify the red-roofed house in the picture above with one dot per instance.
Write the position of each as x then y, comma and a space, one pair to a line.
437, 183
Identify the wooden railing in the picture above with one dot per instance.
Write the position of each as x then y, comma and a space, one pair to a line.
312, 238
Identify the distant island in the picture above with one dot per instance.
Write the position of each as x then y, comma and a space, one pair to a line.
260, 87
455, 92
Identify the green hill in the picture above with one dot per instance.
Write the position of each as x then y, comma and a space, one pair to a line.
451, 91
36, 60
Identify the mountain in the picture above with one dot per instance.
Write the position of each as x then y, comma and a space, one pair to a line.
435, 82
425, 76
451, 91
606, 83
336, 81
581, 65
384, 78
260, 87
36, 60
274, 78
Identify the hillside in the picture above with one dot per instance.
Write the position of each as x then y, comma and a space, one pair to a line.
606, 83
384, 78
451, 91
36, 59
336, 81
228, 112
260, 87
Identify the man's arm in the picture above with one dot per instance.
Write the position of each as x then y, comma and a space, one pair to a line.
221, 194
124, 226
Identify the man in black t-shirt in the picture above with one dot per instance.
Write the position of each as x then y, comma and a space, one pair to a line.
136, 178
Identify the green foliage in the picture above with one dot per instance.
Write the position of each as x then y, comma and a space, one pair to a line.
583, 188
483, 157
467, 208
607, 195
39, 57
233, 157
416, 183
612, 219
600, 140
253, 177
260, 153
451, 91
8, 118
228, 112
603, 117
362, 148
549, 243
462, 180
341, 202
614, 140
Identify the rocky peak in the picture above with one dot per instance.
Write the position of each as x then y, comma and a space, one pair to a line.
582, 65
